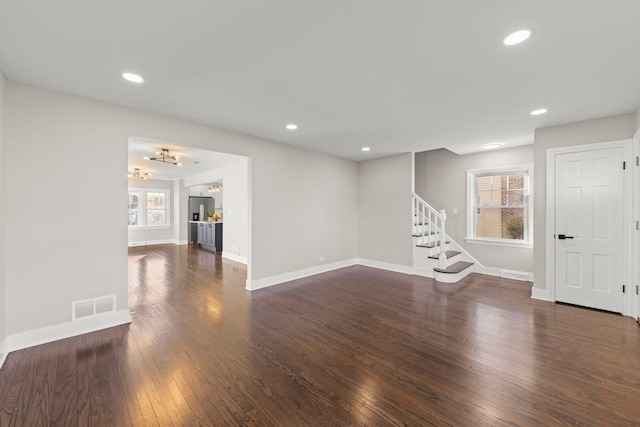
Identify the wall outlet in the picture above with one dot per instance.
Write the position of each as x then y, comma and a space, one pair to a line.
454, 211
321, 259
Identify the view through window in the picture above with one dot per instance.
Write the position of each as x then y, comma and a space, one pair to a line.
499, 207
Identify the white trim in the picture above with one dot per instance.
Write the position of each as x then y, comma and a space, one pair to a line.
500, 242
471, 191
142, 209
404, 269
4, 351
236, 258
253, 285
60, 331
523, 276
628, 194
540, 294
157, 242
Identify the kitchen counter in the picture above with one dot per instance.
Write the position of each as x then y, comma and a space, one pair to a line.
209, 234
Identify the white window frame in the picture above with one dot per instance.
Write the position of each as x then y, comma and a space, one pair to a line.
472, 191
142, 221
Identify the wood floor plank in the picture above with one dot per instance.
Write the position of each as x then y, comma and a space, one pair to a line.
351, 347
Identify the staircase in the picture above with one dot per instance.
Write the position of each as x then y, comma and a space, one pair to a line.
434, 254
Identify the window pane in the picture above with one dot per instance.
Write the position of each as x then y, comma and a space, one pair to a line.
515, 198
155, 217
155, 200
133, 218
513, 223
134, 200
500, 223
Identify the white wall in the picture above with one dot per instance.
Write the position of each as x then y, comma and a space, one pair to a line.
73, 244
384, 212
235, 202
3, 300
598, 130
160, 235
441, 181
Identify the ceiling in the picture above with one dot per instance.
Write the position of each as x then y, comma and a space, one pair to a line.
192, 161
395, 76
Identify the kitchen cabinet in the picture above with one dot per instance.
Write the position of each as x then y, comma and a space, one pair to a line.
210, 235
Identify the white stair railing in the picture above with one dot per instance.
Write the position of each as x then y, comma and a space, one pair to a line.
428, 222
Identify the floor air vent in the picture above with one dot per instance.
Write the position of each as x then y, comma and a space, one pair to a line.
91, 307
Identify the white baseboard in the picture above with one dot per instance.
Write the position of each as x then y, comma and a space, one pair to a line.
4, 351
405, 269
299, 274
156, 242
236, 258
182, 242
66, 330
523, 276
541, 294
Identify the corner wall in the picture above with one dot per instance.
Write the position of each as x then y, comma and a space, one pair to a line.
3, 299
605, 129
72, 244
441, 181
384, 213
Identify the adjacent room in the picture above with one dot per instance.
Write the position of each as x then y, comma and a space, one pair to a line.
338, 213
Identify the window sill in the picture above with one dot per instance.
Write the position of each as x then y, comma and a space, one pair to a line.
497, 242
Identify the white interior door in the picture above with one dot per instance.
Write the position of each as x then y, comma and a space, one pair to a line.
589, 228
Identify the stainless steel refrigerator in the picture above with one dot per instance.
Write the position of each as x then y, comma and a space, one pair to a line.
198, 208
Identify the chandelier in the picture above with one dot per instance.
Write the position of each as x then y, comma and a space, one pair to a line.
137, 174
214, 188
165, 157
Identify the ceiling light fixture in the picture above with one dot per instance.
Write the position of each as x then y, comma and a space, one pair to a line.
165, 157
292, 126
133, 78
538, 112
492, 146
518, 37
366, 149
136, 173
214, 188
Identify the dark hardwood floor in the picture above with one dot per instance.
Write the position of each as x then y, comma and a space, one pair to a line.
353, 347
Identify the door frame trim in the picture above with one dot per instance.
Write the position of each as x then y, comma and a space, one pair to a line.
627, 195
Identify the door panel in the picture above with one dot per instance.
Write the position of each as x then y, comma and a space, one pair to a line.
589, 211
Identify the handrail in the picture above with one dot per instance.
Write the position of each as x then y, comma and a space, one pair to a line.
427, 222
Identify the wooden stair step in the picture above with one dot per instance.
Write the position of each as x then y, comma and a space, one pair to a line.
448, 254
431, 245
454, 268
425, 234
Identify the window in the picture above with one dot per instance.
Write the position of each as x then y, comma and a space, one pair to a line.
148, 208
499, 205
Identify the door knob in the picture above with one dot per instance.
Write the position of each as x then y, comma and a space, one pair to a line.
562, 237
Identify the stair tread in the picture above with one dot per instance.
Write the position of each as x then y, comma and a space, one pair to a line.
448, 254
431, 245
454, 268
425, 234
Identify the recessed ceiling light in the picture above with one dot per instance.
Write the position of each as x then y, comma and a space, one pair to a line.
366, 149
538, 111
134, 78
292, 126
492, 146
517, 37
